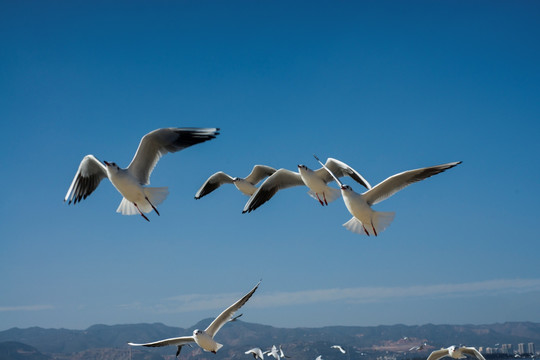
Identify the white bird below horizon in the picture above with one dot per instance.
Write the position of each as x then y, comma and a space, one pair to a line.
204, 338
273, 352
256, 352
316, 180
247, 185
129, 182
367, 221
339, 348
456, 353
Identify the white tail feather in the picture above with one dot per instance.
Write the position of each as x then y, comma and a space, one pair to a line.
379, 220
330, 195
156, 195
355, 226
126, 207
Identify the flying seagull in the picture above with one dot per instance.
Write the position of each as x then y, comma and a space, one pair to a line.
205, 338
315, 180
245, 185
273, 352
256, 352
137, 199
456, 353
367, 221
339, 348
281, 354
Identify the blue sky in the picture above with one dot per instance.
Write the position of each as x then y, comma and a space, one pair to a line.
384, 86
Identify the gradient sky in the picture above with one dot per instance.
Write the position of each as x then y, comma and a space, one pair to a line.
384, 86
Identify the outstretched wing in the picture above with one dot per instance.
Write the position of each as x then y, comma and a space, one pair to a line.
340, 169
228, 313
90, 173
259, 172
472, 352
281, 179
397, 182
213, 183
178, 341
437, 354
159, 142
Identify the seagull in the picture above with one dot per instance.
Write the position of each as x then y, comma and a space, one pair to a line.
367, 221
339, 348
129, 181
273, 352
256, 352
245, 185
315, 180
205, 338
418, 347
281, 354
318, 357
456, 353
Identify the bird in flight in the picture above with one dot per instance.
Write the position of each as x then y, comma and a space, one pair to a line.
137, 199
367, 221
205, 338
245, 185
456, 353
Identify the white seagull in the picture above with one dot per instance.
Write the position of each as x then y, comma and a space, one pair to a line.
256, 352
456, 353
315, 180
129, 181
245, 185
273, 352
281, 353
367, 221
205, 338
339, 348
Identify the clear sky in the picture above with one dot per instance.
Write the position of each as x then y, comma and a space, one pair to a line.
384, 86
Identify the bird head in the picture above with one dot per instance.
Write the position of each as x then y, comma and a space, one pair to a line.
197, 332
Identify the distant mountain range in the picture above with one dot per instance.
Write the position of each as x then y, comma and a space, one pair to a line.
103, 342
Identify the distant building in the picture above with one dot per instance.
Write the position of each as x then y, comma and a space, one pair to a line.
530, 348
489, 350
506, 349
521, 348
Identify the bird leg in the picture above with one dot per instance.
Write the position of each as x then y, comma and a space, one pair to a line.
140, 212
152, 205
326, 202
319, 199
365, 230
373, 227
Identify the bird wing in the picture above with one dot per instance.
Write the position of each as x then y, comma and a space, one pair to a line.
90, 173
213, 183
224, 317
259, 172
473, 352
159, 142
340, 169
183, 340
281, 179
394, 183
437, 354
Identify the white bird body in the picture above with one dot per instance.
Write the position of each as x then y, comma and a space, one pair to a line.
205, 338
339, 348
205, 341
274, 352
367, 221
455, 353
137, 199
256, 352
245, 185
318, 187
